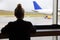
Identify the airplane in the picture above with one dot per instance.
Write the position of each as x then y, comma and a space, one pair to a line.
39, 9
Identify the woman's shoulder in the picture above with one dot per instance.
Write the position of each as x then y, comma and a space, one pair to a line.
28, 22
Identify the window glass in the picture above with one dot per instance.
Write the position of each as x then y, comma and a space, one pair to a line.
38, 12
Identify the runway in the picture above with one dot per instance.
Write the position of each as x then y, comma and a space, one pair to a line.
34, 20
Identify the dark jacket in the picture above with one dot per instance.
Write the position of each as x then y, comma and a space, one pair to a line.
18, 30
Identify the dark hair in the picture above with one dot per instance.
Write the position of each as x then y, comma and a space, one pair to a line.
19, 12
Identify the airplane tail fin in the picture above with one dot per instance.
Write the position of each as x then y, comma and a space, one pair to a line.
36, 6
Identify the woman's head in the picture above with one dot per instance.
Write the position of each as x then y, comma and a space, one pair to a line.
19, 12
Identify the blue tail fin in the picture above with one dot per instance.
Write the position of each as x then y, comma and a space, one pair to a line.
36, 6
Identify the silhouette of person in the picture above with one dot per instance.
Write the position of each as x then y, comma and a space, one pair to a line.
19, 29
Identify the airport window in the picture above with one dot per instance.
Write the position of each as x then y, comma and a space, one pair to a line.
37, 12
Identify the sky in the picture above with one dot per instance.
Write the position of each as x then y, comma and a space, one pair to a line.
11, 4
26, 4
